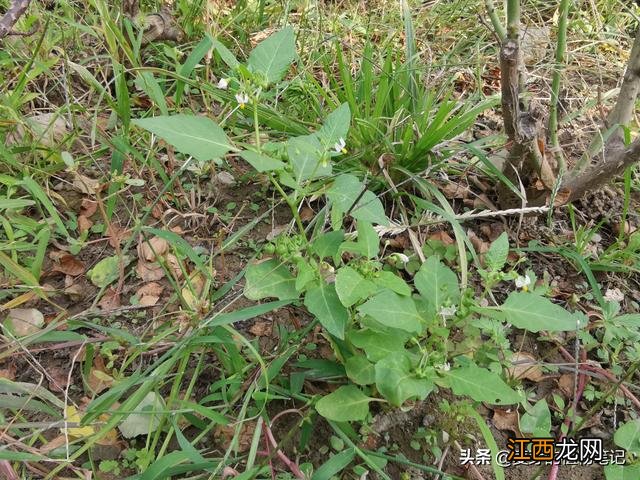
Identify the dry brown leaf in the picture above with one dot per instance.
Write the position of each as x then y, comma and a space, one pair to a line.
566, 383
153, 249
174, 265
99, 379
85, 184
48, 129
8, 373
24, 321
84, 224
480, 245
307, 214
225, 433
117, 235
149, 294
73, 288
89, 207
506, 420
69, 265
149, 271
110, 300
443, 237
561, 197
58, 378
261, 328
455, 190
525, 366
192, 293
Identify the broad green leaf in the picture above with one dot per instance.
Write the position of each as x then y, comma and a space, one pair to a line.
345, 191
628, 436
143, 419
305, 154
379, 344
269, 279
534, 313
622, 472
273, 56
346, 404
323, 302
496, 256
368, 244
537, 420
629, 320
352, 287
396, 381
107, 270
437, 283
393, 310
306, 274
336, 126
193, 135
481, 385
328, 244
390, 280
260, 162
360, 370
225, 54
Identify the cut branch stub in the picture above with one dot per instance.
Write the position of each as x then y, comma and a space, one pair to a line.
12, 15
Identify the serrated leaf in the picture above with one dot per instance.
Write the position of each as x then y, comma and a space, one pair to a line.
193, 135
273, 56
269, 279
260, 162
323, 302
360, 370
393, 310
352, 287
481, 385
345, 191
437, 283
496, 256
534, 313
305, 154
346, 404
628, 436
396, 381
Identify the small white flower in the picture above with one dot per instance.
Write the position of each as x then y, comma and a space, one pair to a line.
613, 295
242, 99
340, 145
523, 282
223, 83
448, 311
446, 367
402, 257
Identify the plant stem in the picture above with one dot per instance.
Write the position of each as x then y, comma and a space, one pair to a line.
292, 206
561, 48
495, 21
513, 19
256, 127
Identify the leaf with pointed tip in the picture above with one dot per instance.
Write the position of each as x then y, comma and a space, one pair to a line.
261, 162
323, 302
481, 385
273, 56
437, 283
396, 381
346, 404
393, 310
534, 313
352, 287
193, 135
269, 279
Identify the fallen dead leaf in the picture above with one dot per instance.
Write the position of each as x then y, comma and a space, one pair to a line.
117, 235
307, 214
525, 366
110, 300
455, 190
24, 321
443, 237
224, 435
261, 328
149, 271
69, 265
99, 379
566, 383
480, 245
48, 129
153, 249
58, 378
73, 288
174, 265
88, 207
507, 420
149, 294
85, 184
84, 224
8, 373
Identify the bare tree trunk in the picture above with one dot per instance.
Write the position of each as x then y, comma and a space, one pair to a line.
14, 12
